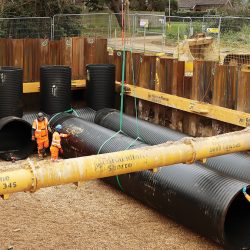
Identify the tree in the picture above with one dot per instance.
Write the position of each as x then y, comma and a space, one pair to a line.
17, 28
114, 5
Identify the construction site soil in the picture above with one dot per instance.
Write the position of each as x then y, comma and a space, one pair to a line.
92, 216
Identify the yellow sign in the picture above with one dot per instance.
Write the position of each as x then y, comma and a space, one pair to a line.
213, 30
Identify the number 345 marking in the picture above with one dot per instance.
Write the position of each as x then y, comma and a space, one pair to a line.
9, 185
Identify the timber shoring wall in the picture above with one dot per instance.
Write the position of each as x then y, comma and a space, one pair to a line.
222, 85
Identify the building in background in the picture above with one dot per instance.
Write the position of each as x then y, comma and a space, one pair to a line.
203, 5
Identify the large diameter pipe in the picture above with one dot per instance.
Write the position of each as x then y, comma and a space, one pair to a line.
235, 165
112, 164
199, 198
15, 139
149, 133
211, 200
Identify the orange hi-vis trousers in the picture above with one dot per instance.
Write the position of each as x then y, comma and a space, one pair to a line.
54, 152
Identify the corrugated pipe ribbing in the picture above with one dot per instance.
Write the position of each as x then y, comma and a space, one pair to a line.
100, 86
11, 91
55, 93
233, 165
201, 199
87, 114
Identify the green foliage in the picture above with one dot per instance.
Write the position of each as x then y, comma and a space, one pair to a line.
35, 28
95, 5
195, 13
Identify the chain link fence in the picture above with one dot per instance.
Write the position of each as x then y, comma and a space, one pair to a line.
89, 25
234, 42
187, 38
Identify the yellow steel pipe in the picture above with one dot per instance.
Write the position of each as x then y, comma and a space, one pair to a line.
86, 168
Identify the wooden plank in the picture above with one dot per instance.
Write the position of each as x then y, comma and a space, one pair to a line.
44, 54
187, 89
36, 60
203, 79
16, 51
147, 80
243, 90
66, 51
118, 58
95, 51
177, 89
132, 76
160, 86
54, 52
224, 91
81, 58
89, 49
77, 57
101, 50
4, 52
28, 59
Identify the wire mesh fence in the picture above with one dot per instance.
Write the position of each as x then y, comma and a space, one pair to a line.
187, 38
89, 25
26, 27
235, 37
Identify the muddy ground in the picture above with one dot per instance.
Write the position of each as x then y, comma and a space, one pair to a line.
92, 216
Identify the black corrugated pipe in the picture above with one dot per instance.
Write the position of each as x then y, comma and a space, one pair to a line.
203, 200
88, 137
11, 91
233, 165
15, 138
87, 114
55, 92
100, 86
149, 133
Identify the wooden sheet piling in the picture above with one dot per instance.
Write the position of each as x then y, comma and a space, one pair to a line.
66, 45
202, 85
78, 60
118, 58
177, 89
16, 53
147, 80
133, 61
54, 51
4, 52
224, 94
95, 51
243, 91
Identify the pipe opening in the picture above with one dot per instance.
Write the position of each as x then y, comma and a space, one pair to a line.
15, 137
237, 226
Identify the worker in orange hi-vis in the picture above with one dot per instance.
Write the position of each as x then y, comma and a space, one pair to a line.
56, 147
40, 134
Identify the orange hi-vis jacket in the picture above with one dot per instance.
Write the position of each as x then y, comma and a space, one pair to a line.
56, 139
41, 129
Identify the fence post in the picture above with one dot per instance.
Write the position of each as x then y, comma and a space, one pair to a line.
219, 38
109, 28
53, 28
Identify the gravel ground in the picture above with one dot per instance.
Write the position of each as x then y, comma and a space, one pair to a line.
92, 216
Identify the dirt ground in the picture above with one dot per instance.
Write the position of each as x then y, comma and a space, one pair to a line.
92, 216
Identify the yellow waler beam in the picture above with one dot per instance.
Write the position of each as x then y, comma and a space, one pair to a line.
34, 87
188, 150
230, 116
235, 117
